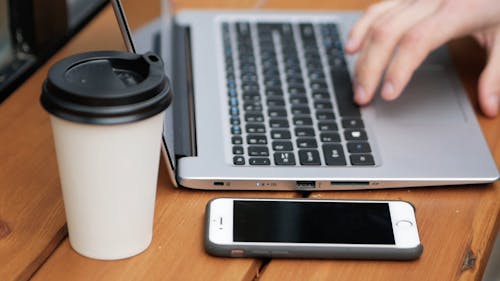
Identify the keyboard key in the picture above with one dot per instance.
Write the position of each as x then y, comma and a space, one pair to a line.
325, 115
272, 83
330, 137
306, 31
249, 78
298, 100
252, 106
316, 75
231, 83
234, 111
254, 117
274, 92
300, 110
336, 62
294, 80
280, 134
258, 151
235, 120
230, 75
275, 112
282, 146
296, 90
232, 92
284, 158
302, 121
292, 62
275, 102
259, 161
362, 160
251, 96
256, 139
233, 101
315, 86
255, 128
278, 123
239, 160
313, 57
359, 147
250, 87
343, 91
243, 29
309, 157
321, 95
306, 143
323, 105
304, 132
248, 69
238, 150
355, 135
334, 155
278, 95
236, 130
352, 123
293, 71
247, 59
327, 126
236, 140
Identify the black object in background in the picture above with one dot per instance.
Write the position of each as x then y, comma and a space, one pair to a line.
33, 30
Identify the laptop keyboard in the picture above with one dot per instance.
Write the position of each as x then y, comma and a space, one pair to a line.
290, 97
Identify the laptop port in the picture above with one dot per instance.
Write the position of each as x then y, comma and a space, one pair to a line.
349, 183
305, 184
218, 183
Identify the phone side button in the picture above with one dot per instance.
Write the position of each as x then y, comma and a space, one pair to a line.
237, 253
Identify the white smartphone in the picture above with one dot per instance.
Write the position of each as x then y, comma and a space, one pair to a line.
309, 228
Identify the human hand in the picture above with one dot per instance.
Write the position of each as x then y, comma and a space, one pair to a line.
397, 35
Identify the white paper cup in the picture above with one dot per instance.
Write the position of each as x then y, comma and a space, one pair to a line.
108, 177
108, 162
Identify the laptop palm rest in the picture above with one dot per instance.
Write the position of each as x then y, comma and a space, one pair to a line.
429, 99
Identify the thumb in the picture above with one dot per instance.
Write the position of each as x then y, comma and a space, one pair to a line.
489, 81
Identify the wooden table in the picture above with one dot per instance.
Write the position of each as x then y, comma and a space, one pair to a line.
457, 224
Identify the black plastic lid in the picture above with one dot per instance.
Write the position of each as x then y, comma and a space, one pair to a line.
107, 87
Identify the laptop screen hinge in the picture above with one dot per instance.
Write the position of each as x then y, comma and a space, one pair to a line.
184, 110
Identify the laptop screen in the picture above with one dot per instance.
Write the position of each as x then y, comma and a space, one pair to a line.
144, 29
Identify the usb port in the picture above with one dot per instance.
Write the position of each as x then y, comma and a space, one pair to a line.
218, 183
305, 184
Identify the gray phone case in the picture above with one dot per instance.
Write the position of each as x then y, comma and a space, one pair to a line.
272, 251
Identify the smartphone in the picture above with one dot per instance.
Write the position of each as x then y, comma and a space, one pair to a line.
309, 228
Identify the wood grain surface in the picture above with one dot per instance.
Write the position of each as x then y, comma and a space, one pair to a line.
456, 223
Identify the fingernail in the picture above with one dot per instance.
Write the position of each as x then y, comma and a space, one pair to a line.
351, 44
388, 91
494, 100
359, 94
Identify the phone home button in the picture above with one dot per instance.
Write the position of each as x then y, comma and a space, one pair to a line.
404, 223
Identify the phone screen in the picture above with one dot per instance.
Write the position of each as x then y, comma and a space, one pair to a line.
312, 222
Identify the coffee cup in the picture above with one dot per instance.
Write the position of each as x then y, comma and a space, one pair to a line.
107, 111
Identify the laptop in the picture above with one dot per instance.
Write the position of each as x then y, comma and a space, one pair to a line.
263, 101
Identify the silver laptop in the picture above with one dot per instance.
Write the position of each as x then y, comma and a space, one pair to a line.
263, 101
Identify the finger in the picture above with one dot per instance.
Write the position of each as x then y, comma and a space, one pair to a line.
361, 27
489, 84
414, 47
381, 44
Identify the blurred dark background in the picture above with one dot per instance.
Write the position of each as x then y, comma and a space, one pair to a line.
33, 30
